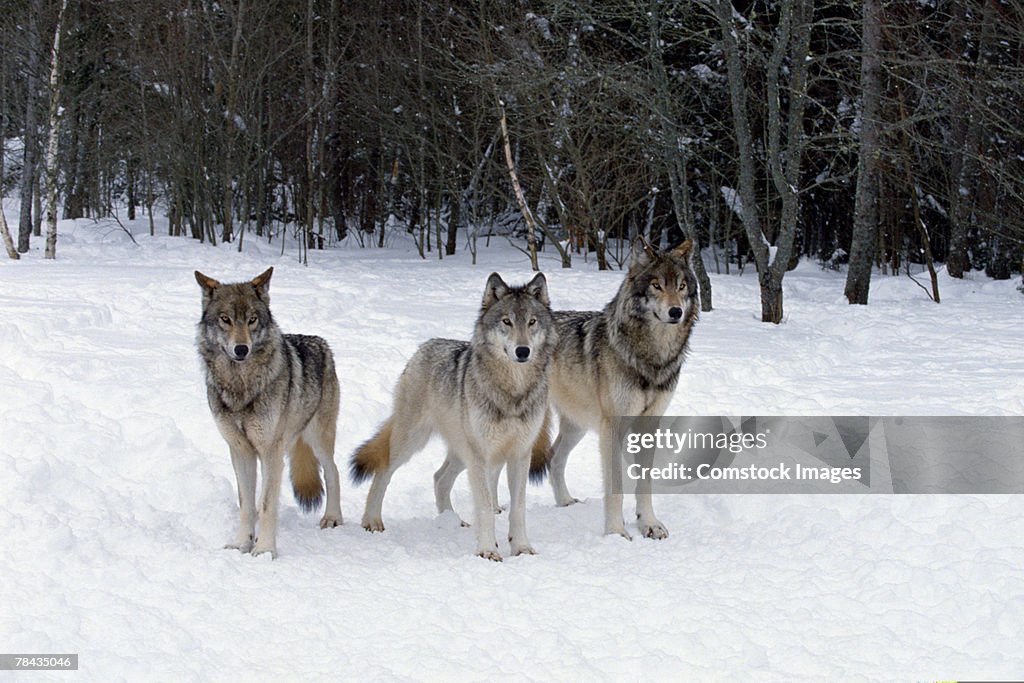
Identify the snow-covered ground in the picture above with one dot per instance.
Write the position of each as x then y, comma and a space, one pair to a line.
117, 492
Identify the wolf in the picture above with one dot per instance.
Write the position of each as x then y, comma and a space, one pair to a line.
622, 361
488, 399
269, 393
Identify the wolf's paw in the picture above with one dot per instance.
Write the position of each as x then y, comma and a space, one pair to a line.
267, 549
330, 521
618, 531
492, 555
449, 519
655, 530
241, 545
566, 502
373, 525
523, 549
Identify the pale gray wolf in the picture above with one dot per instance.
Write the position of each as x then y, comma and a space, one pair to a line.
269, 393
488, 399
622, 361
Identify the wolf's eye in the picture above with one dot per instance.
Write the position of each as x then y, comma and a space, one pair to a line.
506, 321
226, 320
252, 320
682, 286
533, 321
656, 285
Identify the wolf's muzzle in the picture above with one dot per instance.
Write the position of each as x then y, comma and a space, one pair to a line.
522, 353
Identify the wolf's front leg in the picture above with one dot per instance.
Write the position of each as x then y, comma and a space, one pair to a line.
518, 470
272, 465
493, 474
483, 510
244, 463
611, 471
650, 527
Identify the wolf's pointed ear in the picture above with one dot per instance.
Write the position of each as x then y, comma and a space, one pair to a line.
262, 281
684, 252
538, 289
643, 253
493, 290
207, 283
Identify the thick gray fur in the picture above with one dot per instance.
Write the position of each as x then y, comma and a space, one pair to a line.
487, 404
282, 396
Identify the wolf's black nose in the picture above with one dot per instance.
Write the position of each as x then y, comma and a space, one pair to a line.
522, 352
241, 351
675, 313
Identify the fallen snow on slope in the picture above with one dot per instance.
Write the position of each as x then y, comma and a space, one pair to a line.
118, 493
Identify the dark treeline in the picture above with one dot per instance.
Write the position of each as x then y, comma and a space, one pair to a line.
872, 136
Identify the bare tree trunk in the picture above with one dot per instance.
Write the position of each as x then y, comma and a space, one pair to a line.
681, 205
925, 240
148, 166
328, 95
865, 212
965, 173
785, 163
37, 205
468, 196
8, 242
311, 121
130, 181
916, 205
744, 138
793, 34
454, 216
5, 233
72, 164
231, 126
524, 208
53, 138
31, 133
551, 187
437, 223
676, 158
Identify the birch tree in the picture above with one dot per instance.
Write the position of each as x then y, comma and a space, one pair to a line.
53, 137
524, 207
5, 233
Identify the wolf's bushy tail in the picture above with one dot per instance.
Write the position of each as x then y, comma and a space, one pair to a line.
305, 472
540, 456
373, 456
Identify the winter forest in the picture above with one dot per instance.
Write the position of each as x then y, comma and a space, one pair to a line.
851, 175
879, 138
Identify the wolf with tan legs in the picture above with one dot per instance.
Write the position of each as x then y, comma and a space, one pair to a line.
270, 393
486, 397
622, 361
